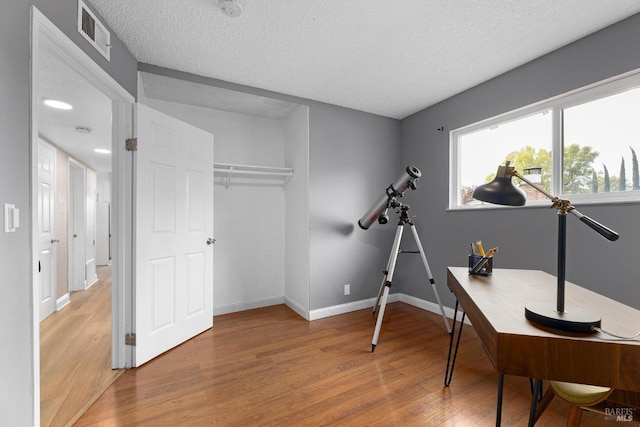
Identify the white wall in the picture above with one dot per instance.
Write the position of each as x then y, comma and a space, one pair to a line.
297, 261
249, 223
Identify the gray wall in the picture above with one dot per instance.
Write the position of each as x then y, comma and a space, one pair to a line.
16, 317
15, 292
527, 238
353, 159
122, 64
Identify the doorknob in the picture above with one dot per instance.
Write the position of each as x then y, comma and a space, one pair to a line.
54, 240
211, 241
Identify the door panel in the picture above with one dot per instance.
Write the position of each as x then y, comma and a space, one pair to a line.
46, 227
174, 219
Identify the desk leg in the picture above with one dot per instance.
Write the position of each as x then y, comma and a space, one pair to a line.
535, 396
448, 374
499, 407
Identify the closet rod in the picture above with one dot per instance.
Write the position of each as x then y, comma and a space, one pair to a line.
227, 167
231, 169
251, 172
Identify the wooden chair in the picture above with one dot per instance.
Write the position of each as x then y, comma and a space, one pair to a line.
577, 395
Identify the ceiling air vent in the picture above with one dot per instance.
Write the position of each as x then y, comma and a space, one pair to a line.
93, 30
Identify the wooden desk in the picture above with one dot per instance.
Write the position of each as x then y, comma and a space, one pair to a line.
515, 346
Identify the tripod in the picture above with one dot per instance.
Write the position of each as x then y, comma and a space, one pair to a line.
391, 265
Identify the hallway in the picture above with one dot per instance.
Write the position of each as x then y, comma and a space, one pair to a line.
75, 354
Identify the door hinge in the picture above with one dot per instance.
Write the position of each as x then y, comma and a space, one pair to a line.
130, 339
131, 144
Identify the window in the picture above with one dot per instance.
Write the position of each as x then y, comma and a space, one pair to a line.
597, 131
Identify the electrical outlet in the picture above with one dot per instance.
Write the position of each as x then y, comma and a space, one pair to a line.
347, 289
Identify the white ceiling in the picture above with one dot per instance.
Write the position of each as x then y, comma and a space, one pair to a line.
391, 57
91, 109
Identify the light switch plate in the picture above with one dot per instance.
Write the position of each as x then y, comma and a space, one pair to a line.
9, 223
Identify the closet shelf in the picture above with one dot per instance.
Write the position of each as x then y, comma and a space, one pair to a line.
229, 170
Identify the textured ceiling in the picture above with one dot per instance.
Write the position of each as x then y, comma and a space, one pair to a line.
390, 57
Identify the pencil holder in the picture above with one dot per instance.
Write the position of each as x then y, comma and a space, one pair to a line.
475, 261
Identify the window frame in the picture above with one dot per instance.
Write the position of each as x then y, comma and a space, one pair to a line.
555, 106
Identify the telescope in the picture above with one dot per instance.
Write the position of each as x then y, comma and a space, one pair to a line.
379, 210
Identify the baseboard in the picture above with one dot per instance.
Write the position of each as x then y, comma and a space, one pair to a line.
247, 305
91, 284
348, 307
300, 310
63, 301
368, 303
335, 310
90, 273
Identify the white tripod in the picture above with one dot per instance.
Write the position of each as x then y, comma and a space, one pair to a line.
391, 265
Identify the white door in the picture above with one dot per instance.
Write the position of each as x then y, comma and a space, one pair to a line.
46, 227
174, 220
77, 242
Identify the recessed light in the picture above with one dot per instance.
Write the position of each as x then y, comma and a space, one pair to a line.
54, 103
102, 151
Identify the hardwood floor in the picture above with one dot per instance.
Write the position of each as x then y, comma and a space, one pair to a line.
75, 354
271, 367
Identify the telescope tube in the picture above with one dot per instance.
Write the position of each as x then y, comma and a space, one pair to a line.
397, 189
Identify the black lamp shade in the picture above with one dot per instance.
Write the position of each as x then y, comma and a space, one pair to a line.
500, 191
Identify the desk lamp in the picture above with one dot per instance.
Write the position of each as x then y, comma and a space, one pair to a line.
501, 191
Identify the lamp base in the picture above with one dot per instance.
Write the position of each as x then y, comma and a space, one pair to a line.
572, 321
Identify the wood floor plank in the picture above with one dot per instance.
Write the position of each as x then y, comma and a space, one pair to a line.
270, 367
75, 354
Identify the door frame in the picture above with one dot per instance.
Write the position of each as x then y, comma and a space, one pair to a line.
44, 32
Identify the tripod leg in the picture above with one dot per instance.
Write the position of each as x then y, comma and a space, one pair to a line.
383, 304
395, 249
433, 283
389, 278
384, 282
